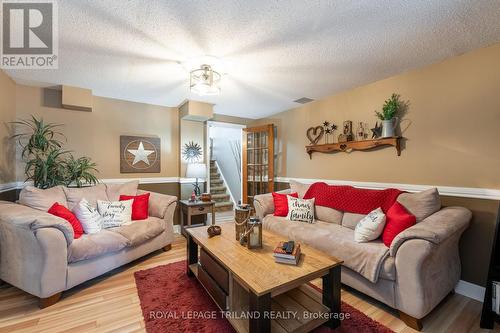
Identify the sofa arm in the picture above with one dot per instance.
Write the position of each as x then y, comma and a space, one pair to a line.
33, 219
264, 203
425, 274
33, 260
436, 228
160, 205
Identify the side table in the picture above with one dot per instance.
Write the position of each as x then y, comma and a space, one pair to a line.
195, 208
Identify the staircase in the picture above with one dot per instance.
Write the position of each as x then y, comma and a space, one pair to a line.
218, 190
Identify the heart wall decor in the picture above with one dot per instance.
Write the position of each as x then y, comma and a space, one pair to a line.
314, 134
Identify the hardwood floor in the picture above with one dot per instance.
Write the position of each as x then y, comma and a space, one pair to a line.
110, 304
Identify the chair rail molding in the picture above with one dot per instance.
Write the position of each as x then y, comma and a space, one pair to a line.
464, 192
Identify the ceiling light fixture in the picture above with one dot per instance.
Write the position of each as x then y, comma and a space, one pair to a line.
205, 81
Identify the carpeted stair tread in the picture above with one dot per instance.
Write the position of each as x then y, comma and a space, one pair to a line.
221, 196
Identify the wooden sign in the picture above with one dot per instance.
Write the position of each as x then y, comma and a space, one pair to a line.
140, 154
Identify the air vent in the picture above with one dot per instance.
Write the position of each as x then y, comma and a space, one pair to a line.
303, 100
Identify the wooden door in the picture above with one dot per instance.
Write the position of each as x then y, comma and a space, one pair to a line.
258, 161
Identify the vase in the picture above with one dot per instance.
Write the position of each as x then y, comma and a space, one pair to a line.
388, 127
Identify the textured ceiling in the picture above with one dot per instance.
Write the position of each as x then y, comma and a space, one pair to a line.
273, 51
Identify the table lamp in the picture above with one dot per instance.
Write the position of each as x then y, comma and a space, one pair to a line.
196, 170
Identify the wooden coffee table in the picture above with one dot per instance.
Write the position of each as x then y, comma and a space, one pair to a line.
258, 294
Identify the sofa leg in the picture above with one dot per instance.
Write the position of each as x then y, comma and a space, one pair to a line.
167, 247
410, 321
45, 302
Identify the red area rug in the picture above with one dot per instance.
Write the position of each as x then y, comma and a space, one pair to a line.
173, 302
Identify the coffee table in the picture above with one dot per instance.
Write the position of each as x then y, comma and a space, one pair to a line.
259, 295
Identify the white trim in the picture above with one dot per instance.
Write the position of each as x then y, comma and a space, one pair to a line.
464, 192
9, 187
151, 180
225, 183
470, 290
223, 124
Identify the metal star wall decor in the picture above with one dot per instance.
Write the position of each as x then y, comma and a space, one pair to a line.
377, 130
192, 152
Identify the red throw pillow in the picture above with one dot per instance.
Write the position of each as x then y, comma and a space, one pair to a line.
139, 205
397, 219
281, 203
65, 213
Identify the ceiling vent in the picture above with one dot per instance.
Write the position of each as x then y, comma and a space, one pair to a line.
303, 100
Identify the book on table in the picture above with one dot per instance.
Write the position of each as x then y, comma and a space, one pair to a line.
281, 256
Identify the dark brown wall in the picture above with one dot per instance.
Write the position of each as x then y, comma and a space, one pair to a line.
476, 242
165, 188
9, 195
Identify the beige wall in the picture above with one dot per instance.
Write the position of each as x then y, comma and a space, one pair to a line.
7, 114
452, 127
97, 134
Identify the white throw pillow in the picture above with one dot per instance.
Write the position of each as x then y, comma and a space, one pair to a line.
300, 209
370, 227
115, 213
88, 216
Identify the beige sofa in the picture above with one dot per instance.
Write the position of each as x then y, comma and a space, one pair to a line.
420, 268
39, 255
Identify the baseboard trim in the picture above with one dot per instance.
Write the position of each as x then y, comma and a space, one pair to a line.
463, 192
470, 290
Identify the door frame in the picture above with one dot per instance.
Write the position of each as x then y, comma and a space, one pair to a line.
224, 124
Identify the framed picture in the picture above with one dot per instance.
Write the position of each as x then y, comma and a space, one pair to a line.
140, 154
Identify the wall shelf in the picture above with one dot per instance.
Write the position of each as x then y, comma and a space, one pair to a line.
355, 145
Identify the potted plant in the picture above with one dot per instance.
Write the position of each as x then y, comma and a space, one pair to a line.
388, 115
46, 163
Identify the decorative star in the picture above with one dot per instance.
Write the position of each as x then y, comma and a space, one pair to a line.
326, 123
328, 131
333, 127
140, 154
376, 131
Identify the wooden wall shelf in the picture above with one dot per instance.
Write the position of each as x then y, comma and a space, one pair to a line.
355, 145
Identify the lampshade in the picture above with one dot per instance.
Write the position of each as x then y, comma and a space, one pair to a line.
196, 170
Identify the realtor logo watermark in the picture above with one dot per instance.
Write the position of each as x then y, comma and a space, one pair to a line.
29, 34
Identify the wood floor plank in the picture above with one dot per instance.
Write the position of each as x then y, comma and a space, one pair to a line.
110, 304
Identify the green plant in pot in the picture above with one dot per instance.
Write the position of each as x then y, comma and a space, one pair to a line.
46, 163
390, 109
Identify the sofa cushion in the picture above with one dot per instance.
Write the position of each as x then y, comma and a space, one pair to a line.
398, 220
329, 215
114, 191
350, 220
370, 227
421, 204
139, 232
42, 199
95, 245
300, 188
335, 240
91, 193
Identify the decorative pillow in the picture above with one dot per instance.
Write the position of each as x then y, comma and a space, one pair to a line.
91, 193
139, 205
63, 212
370, 227
421, 204
114, 191
115, 213
300, 188
398, 220
281, 203
42, 199
88, 216
300, 209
